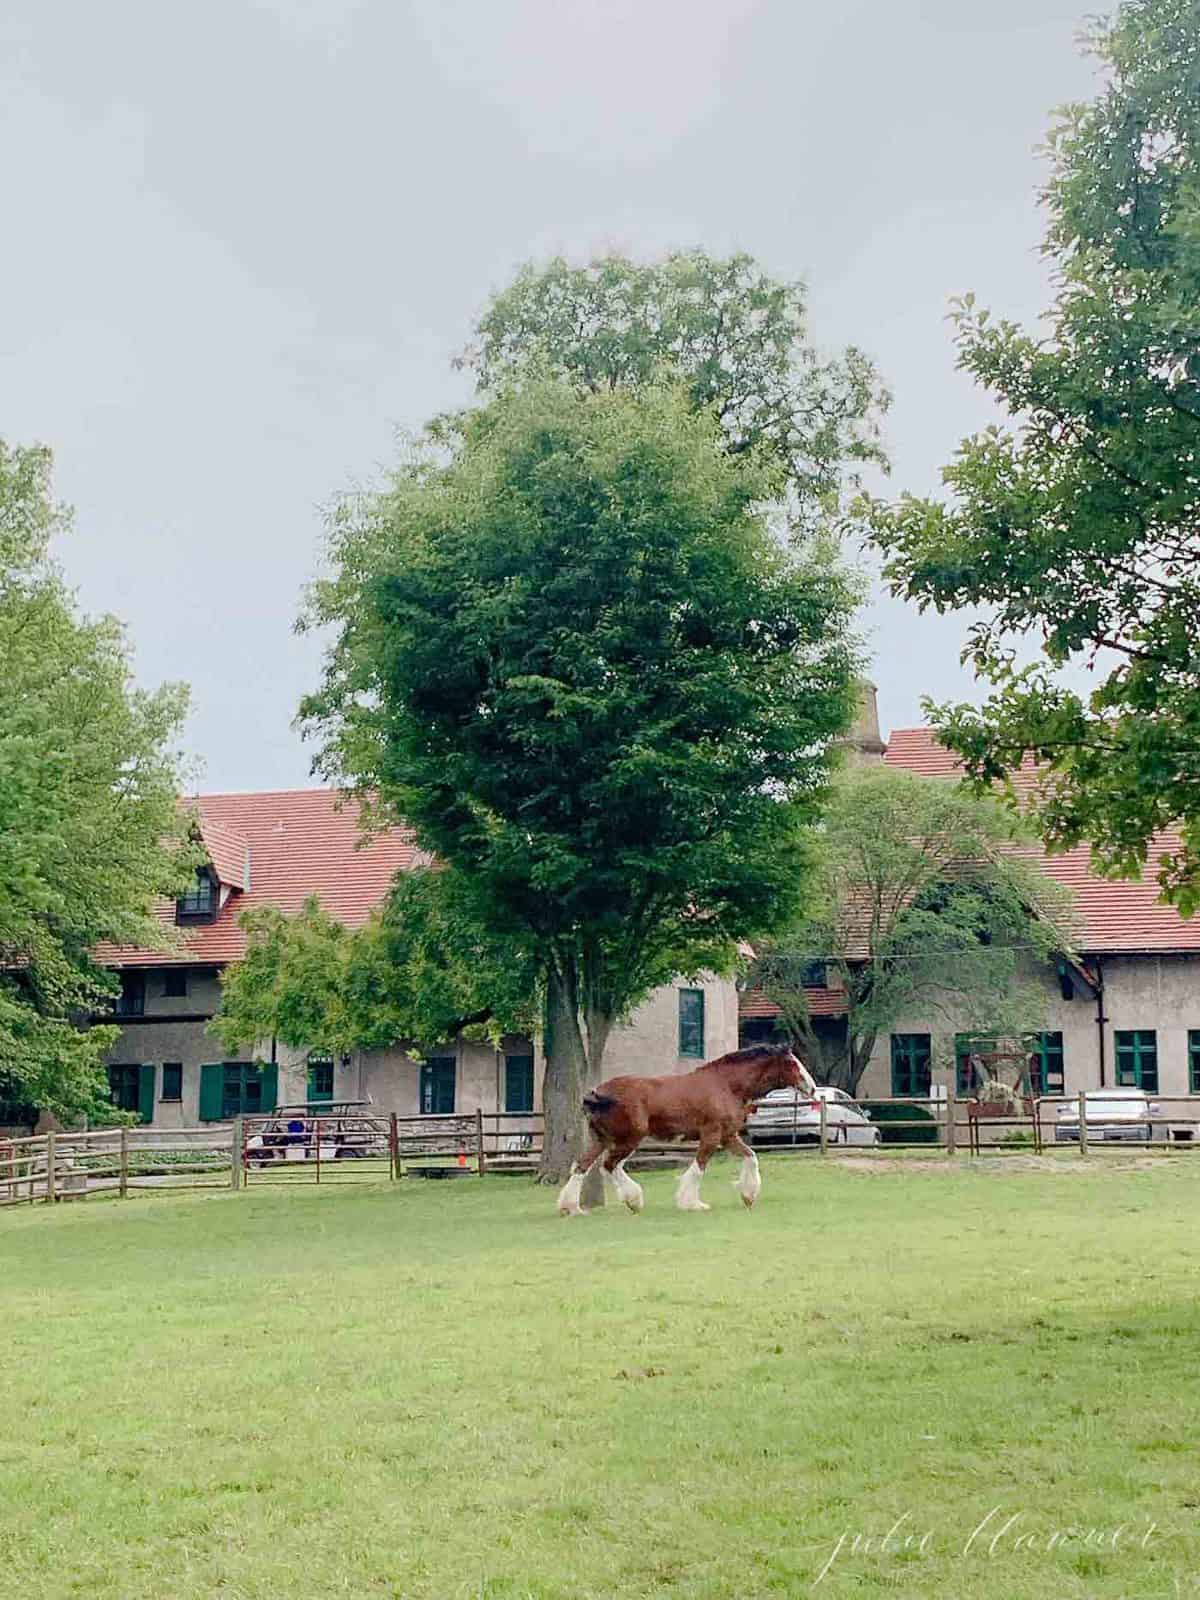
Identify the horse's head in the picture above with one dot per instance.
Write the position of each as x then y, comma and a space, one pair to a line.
787, 1071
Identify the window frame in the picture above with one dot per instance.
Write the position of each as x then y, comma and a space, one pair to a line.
1193, 1044
1042, 1052
133, 1071
131, 1002
173, 1067
250, 1076
322, 1063
175, 983
691, 1040
436, 1073
907, 1052
1131, 1043
188, 906
525, 1062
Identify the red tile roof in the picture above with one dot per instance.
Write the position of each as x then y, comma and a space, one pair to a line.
228, 851
299, 844
1117, 915
821, 1003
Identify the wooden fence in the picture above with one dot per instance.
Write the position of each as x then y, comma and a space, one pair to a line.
252, 1151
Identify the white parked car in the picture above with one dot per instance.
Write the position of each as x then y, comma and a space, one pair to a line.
1116, 1113
793, 1116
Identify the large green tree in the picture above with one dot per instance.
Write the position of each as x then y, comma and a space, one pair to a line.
569, 652
1079, 524
733, 336
90, 829
921, 905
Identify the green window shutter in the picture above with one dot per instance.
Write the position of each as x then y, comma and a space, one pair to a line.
212, 1084
146, 1093
270, 1086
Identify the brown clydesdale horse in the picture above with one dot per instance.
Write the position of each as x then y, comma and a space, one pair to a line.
710, 1104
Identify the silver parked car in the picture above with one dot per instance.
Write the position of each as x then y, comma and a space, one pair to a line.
1112, 1114
793, 1116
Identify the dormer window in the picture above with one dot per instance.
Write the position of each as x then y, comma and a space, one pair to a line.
199, 904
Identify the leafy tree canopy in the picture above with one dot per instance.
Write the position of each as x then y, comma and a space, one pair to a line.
90, 830
419, 972
922, 907
569, 653
1079, 525
733, 336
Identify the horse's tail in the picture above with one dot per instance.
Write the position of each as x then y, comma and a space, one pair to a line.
595, 1103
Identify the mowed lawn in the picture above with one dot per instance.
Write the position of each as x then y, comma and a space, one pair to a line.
442, 1389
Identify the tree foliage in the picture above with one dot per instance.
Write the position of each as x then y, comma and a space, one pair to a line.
734, 337
1079, 525
569, 653
923, 905
421, 970
90, 830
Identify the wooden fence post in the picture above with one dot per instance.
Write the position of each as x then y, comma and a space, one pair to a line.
951, 1128
51, 1157
1083, 1135
237, 1155
123, 1174
394, 1146
824, 1115
481, 1158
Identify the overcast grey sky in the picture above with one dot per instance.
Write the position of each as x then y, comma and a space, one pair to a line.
243, 240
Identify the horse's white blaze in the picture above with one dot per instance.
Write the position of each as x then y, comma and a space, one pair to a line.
687, 1194
748, 1182
628, 1188
568, 1195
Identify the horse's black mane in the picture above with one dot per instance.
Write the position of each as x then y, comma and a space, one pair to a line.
757, 1052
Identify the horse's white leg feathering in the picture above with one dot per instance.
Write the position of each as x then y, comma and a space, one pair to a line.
568, 1195
628, 1188
687, 1192
748, 1182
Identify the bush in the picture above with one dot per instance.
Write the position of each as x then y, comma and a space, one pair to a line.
883, 1114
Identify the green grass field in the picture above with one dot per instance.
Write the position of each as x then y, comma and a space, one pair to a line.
445, 1390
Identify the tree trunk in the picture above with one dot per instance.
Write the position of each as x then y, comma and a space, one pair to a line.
858, 1056
567, 1077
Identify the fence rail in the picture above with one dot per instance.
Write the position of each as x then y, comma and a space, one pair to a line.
60, 1166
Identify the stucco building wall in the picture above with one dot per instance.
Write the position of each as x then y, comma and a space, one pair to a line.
175, 1029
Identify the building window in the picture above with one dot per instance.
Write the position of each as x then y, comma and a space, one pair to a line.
969, 1078
1194, 1060
437, 1085
1046, 1064
131, 1002
201, 899
320, 1078
241, 1090
175, 984
1137, 1059
172, 1080
123, 1085
911, 1057
131, 1088
237, 1088
518, 1083
691, 1022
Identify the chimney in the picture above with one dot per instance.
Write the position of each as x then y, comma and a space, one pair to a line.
863, 744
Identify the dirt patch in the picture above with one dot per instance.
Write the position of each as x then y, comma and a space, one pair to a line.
877, 1166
